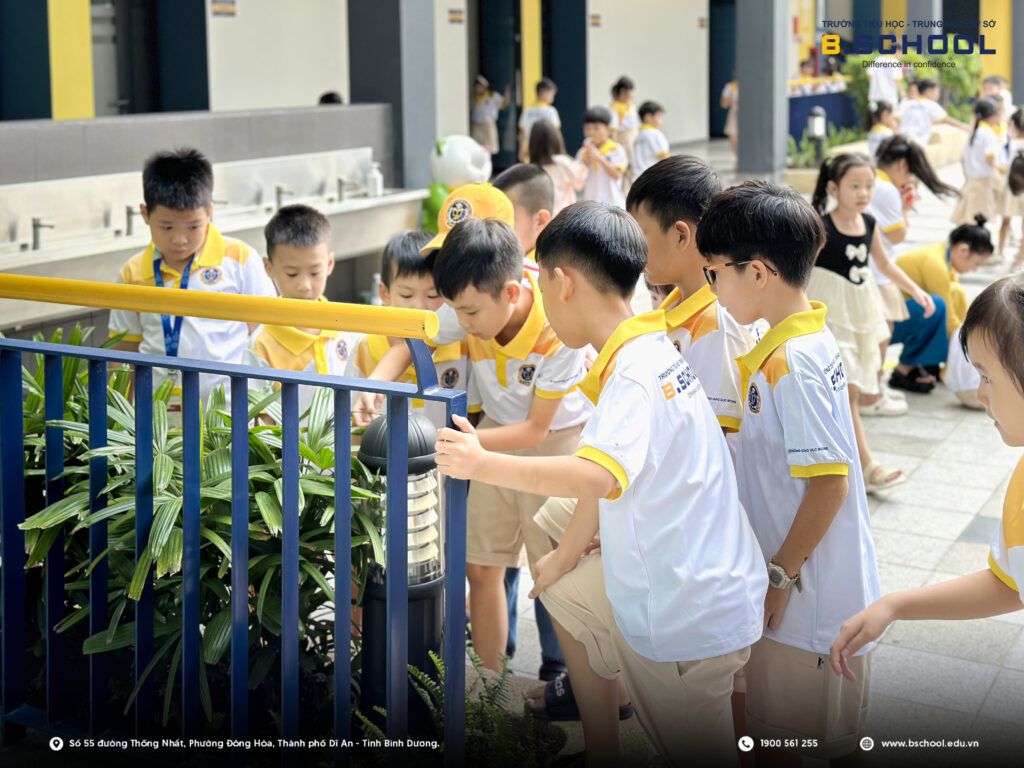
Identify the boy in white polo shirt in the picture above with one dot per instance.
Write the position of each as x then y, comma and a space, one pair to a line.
650, 145
605, 159
799, 477
674, 600
187, 253
299, 261
541, 109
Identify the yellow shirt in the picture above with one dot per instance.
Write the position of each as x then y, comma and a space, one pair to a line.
1006, 558
928, 268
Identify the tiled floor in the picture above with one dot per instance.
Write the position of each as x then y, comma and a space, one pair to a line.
931, 680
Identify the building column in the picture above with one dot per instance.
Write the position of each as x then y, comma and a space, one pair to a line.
391, 61
924, 10
1017, 69
761, 27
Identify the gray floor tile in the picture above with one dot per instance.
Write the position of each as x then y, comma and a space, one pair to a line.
962, 558
916, 426
1015, 658
897, 718
905, 461
893, 516
954, 498
894, 578
1006, 699
908, 549
887, 442
976, 475
932, 679
994, 506
984, 640
980, 530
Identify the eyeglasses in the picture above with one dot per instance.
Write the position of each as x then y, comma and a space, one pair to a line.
711, 272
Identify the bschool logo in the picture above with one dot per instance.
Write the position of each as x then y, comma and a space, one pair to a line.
931, 45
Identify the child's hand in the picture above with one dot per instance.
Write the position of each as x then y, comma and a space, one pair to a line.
775, 603
366, 408
459, 454
856, 632
925, 300
550, 569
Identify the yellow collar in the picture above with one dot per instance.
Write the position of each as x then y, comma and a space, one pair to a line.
532, 255
297, 341
379, 345
647, 127
522, 343
678, 312
628, 329
799, 324
879, 128
607, 147
883, 176
538, 104
210, 255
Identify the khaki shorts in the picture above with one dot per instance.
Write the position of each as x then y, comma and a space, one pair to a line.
685, 707
499, 522
794, 694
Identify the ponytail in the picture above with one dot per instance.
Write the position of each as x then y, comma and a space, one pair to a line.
983, 109
897, 148
819, 200
975, 235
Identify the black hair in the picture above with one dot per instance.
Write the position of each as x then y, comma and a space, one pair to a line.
975, 235
993, 80
1017, 118
898, 147
998, 315
533, 188
598, 115
297, 225
402, 256
545, 84
545, 142
762, 220
482, 253
983, 109
650, 108
833, 169
622, 84
877, 110
181, 180
331, 97
677, 188
602, 241
926, 84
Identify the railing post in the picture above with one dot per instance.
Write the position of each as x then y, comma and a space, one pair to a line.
455, 608
98, 580
12, 543
143, 524
191, 637
397, 703
289, 564
53, 405
239, 558
342, 572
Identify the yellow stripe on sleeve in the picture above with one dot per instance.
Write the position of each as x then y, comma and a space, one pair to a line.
550, 395
819, 470
1002, 575
599, 457
730, 423
474, 408
894, 227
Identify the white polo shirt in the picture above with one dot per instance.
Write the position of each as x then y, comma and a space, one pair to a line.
682, 569
600, 186
649, 146
986, 145
1006, 558
711, 341
535, 113
917, 118
887, 207
224, 265
292, 349
797, 425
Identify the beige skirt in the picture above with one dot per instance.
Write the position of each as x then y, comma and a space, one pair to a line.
979, 195
894, 306
1009, 204
855, 318
486, 135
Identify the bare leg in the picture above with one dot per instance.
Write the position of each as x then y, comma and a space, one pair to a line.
488, 610
858, 427
1004, 230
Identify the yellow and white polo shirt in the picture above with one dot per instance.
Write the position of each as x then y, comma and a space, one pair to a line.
451, 361
224, 265
711, 341
292, 349
600, 186
1007, 556
504, 378
797, 425
649, 147
683, 571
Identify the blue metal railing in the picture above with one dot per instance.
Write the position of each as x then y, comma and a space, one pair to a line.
16, 714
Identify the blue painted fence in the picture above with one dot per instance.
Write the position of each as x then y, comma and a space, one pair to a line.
15, 714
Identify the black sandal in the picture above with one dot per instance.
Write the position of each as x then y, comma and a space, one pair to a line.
909, 381
551, 669
560, 703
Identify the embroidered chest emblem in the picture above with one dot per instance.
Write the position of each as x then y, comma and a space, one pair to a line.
526, 374
754, 399
210, 276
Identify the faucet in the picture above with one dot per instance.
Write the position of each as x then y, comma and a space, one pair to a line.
130, 212
38, 224
341, 188
281, 191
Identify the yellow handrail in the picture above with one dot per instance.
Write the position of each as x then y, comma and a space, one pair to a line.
326, 315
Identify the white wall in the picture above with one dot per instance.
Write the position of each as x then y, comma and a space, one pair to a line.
278, 54
661, 45
451, 65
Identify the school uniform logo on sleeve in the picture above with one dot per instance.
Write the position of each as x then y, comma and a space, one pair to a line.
526, 374
458, 211
754, 399
210, 276
341, 350
450, 378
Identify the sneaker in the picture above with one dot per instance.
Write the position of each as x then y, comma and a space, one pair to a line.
884, 406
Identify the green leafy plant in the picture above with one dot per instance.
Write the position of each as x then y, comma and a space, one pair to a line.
72, 516
803, 155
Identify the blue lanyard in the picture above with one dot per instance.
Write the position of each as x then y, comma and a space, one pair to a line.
172, 334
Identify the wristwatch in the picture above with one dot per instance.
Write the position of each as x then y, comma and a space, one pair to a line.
778, 578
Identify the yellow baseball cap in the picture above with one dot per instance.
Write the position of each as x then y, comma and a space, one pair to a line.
471, 201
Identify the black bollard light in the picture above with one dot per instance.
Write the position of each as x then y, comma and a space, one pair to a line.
817, 129
425, 571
